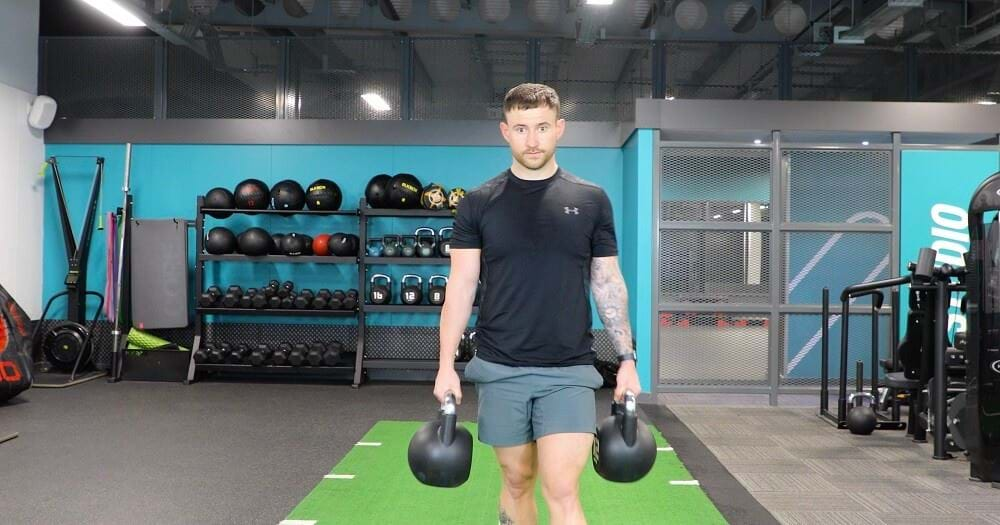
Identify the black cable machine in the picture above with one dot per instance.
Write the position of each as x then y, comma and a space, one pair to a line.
66, 345
982, 415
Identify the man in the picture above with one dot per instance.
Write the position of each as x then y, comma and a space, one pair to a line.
535, 236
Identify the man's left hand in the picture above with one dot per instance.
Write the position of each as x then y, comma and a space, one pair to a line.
627, 380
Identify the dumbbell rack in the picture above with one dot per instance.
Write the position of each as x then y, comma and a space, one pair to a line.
367, 261
202, 258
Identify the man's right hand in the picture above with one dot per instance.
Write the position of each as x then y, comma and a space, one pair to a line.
447, 380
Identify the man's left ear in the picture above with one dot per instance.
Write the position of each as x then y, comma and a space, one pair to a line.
561, 126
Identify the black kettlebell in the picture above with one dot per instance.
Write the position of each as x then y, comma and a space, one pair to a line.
435, 293
440, 453
861, 419
624, 449
381, 293
408, 293
444, 243
408, 246
390, 246
426, 244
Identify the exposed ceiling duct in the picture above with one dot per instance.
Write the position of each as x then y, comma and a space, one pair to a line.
494, 11
790, 19
642, 13
444, 10
875, 16
740, 16
345, 8
543, 11
298, 8
691, 15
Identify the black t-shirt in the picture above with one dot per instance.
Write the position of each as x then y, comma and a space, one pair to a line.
537, 240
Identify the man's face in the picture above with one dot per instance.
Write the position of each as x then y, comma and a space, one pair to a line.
532, 135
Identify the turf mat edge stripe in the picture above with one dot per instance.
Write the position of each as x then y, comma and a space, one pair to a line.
730, 497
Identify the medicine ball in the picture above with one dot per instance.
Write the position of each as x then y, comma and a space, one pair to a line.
276, 240
288, 195
219, 198
293, 244
404, 191
255, 241
321, 244
324, 194
342, 245
377, 191
220, 241
434, 197
251, 194
308, 248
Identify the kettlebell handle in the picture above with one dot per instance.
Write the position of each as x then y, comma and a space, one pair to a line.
403, 279
388, 279
424, 229
445, 229
630, 420
387, 238
449, 419
430, 280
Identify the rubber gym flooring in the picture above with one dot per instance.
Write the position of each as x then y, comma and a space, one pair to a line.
234, 452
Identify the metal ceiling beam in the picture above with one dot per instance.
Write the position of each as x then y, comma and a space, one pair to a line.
138, 8
979, 38
872, 17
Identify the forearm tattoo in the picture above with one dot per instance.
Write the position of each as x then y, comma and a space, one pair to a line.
611, 296
505, 519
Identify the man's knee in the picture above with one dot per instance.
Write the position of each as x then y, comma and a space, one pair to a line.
561, 491
518, 479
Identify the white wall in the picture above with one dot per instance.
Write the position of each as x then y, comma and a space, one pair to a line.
22, 151
19, 44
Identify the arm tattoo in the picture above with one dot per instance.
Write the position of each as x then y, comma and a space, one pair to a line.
505, 519
611, 296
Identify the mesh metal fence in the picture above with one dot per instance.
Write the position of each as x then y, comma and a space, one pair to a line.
700, 349
99, 77
812, 260
958, 77
328, 76
838, 186
715, 184
802, 349
716, 267
722, 70
464, 79
828, 72
598, 82
223, 78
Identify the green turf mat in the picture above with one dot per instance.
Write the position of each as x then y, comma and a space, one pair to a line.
384, 492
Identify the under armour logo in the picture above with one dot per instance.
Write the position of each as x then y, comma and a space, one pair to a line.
574, 211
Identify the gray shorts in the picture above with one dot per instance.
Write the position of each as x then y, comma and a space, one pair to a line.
518, 405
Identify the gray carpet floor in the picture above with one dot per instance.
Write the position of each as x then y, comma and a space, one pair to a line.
804, 471
247, 453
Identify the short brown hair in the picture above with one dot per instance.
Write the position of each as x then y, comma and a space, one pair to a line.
529, 96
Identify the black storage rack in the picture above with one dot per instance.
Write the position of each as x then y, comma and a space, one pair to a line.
331, 372
362, 261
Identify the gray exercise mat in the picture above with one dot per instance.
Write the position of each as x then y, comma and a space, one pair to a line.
159, 273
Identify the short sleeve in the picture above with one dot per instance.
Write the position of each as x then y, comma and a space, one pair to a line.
467, 221
603, 242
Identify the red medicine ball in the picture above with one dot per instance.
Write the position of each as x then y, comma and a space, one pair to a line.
321, 244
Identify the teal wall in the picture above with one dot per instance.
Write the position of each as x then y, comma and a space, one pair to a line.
637, 244
166, 179
935, 189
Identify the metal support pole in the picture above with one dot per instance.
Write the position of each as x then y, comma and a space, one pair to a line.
939, 401
824, 388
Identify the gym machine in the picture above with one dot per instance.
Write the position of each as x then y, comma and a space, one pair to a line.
982, 414
923, 360
66, 345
